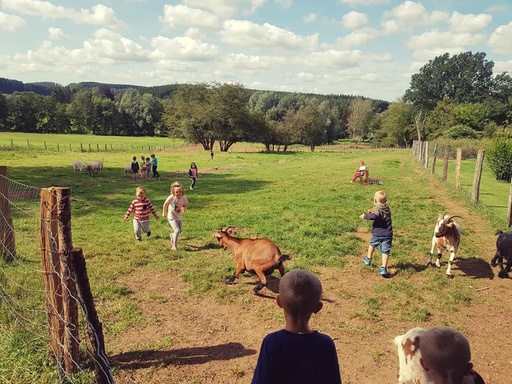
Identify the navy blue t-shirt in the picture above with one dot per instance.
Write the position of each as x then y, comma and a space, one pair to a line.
292, 358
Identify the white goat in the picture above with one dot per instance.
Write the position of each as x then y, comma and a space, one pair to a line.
446, 237
78, 166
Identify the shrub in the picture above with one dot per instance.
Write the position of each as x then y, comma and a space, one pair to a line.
499, 155
459, 132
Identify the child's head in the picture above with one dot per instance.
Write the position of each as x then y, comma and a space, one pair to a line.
177, 189
300, 292
140, 192
134, 158
142, 158
152, 155
380, 197
445, 353
193, 165
361, 162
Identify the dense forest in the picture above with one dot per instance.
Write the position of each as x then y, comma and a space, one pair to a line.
457, 96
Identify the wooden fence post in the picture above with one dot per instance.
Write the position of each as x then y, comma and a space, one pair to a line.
95, 330
7, 240
478, 176
509, 210
445, 164
457, 168
61, 305
434, 158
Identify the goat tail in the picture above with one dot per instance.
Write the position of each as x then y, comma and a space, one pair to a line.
283, 258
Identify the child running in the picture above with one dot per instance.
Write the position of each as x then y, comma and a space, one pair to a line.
382, 231
193, 173
175, 204
297, 354
141, 206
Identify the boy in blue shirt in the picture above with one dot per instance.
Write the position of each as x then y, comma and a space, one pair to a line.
296, 354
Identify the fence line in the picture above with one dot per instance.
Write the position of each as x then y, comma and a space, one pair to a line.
66, 286
420, 150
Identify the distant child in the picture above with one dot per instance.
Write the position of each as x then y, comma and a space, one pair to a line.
192, 172
297, 354
141, 206
135, 168
174, 206
360, 171
148, 166
382, 230
154, 166
446, 354
143, 166
211, 155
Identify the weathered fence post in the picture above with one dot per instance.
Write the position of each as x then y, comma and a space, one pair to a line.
509, 210
478, 176
434, 158
458, 164
445, 163
95, 329
7, 241
61, 305
425, 157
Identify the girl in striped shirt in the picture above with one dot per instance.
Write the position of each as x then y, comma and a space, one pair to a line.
141, 207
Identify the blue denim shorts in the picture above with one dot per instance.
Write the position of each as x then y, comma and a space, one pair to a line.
382, 243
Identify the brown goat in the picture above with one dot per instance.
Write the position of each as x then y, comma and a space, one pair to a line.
260, 256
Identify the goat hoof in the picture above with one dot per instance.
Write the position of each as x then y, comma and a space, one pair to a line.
258, 288
502, 274
229, 281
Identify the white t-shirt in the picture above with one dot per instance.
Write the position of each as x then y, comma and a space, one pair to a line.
174, 207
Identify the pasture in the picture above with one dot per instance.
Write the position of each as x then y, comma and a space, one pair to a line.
168, 317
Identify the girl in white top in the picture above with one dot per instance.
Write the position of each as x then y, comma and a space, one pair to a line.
174, 206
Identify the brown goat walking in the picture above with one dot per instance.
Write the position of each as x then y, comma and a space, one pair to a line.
260, 256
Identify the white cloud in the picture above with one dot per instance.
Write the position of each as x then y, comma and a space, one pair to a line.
107, 44
285, 3
182, 48
469, 23
332, 58
354, 20
408, 15
181, 15
243, 33
10, 22
434, 43
222, 8
357, 38
57, 34
500, 40
310, 18
97, 15
240, 61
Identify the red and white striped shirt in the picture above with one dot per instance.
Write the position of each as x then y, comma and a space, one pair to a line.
141, 209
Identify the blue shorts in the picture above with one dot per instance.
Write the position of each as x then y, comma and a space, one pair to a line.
382, 243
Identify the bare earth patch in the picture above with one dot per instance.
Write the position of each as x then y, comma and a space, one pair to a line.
199, 340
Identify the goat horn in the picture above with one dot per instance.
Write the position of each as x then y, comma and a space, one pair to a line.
451, 217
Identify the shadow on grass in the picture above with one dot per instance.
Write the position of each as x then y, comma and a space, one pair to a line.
407, 266
182, 356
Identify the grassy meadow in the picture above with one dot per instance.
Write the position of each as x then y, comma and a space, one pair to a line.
303, 201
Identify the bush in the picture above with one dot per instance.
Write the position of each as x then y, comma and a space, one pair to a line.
460, 132
499, 156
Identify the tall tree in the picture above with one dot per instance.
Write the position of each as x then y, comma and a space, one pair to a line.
360, 114
463, 78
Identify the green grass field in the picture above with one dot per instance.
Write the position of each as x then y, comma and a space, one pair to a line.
303, 201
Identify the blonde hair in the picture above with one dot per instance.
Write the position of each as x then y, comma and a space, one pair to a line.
141, 189
380, 197
300, 291
177, 184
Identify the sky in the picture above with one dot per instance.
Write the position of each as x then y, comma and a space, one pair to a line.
367, 48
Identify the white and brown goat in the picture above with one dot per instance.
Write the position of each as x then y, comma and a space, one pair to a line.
446, 237
260, 255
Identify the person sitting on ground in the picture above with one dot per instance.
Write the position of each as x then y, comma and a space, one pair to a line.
296, 354
446, 354
360, 171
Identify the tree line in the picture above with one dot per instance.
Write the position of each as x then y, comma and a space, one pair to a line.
454, 97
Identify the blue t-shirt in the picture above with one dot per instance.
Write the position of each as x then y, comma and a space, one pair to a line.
292, 358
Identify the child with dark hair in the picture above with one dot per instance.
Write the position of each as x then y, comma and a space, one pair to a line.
297, 354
